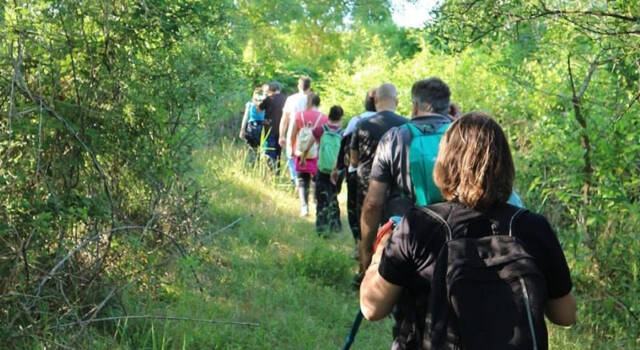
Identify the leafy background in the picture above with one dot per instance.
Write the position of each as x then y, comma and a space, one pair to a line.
112, 112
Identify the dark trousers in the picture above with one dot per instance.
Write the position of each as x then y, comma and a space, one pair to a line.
273, 150
327, 208
353, 210
304, 184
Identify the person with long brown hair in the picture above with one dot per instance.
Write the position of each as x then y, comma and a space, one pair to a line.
414, 267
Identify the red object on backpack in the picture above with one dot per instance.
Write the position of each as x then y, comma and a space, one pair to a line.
386, 228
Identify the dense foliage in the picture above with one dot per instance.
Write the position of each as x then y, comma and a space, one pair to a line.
102, 104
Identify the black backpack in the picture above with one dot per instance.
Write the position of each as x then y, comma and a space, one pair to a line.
486, 292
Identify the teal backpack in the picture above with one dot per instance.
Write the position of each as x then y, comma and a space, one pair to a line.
329, 149
422, 158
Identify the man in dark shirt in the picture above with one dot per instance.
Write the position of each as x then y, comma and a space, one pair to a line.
343, 165
390, 188
366, 137
272, 105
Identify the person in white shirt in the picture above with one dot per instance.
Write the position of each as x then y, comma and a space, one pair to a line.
294, 104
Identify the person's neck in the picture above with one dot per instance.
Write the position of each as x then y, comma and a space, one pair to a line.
426, 114
385, 107
335, 123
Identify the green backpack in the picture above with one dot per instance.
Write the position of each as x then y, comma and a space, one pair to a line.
329, 149
422, 158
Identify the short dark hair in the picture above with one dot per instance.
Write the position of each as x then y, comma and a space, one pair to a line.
474, 163
306, 82
275, 86
335, 113
432, 95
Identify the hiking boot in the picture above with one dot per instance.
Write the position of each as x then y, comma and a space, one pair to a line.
304, 211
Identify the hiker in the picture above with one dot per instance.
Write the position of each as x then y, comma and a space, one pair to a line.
305, 148
292, 106
401, 174
474, 271
391, 190
329, 137
365, 138
344, 166
252, 121
272, 106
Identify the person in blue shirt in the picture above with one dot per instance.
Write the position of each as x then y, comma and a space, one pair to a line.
252, 120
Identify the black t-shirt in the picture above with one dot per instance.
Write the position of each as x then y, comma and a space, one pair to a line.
366, 137
272, 107
408, 259
391, 163
343, 155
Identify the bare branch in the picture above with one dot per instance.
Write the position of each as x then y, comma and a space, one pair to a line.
40, 101
209, 236
166, 318
587, 80
80, 247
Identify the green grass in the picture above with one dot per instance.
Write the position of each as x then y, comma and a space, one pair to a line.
270, 269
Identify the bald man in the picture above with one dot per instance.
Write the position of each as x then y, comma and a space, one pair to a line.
369, 132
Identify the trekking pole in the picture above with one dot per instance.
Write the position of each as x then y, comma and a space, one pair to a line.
382, 231
354, 330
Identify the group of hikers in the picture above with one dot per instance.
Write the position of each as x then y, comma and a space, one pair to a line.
444, 243
311, 141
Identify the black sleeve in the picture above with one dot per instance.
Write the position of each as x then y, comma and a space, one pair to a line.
355, 138
381, 169
412, 249
344, 152
395, 265
264, 105
546, 249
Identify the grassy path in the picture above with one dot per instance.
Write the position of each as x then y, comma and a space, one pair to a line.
270, 268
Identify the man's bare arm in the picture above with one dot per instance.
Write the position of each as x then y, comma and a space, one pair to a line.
353, 158
371, 214
377, 295
284, 124
245, 120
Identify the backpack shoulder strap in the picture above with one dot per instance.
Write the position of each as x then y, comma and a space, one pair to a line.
415, 131
325, 127
302, 118
440, 219
318, 116
519, 212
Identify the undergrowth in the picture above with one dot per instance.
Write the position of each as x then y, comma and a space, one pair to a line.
289, 287
261, 278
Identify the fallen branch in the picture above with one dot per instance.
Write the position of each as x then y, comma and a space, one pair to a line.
96, 237
78, 248
154, 317
211, 235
